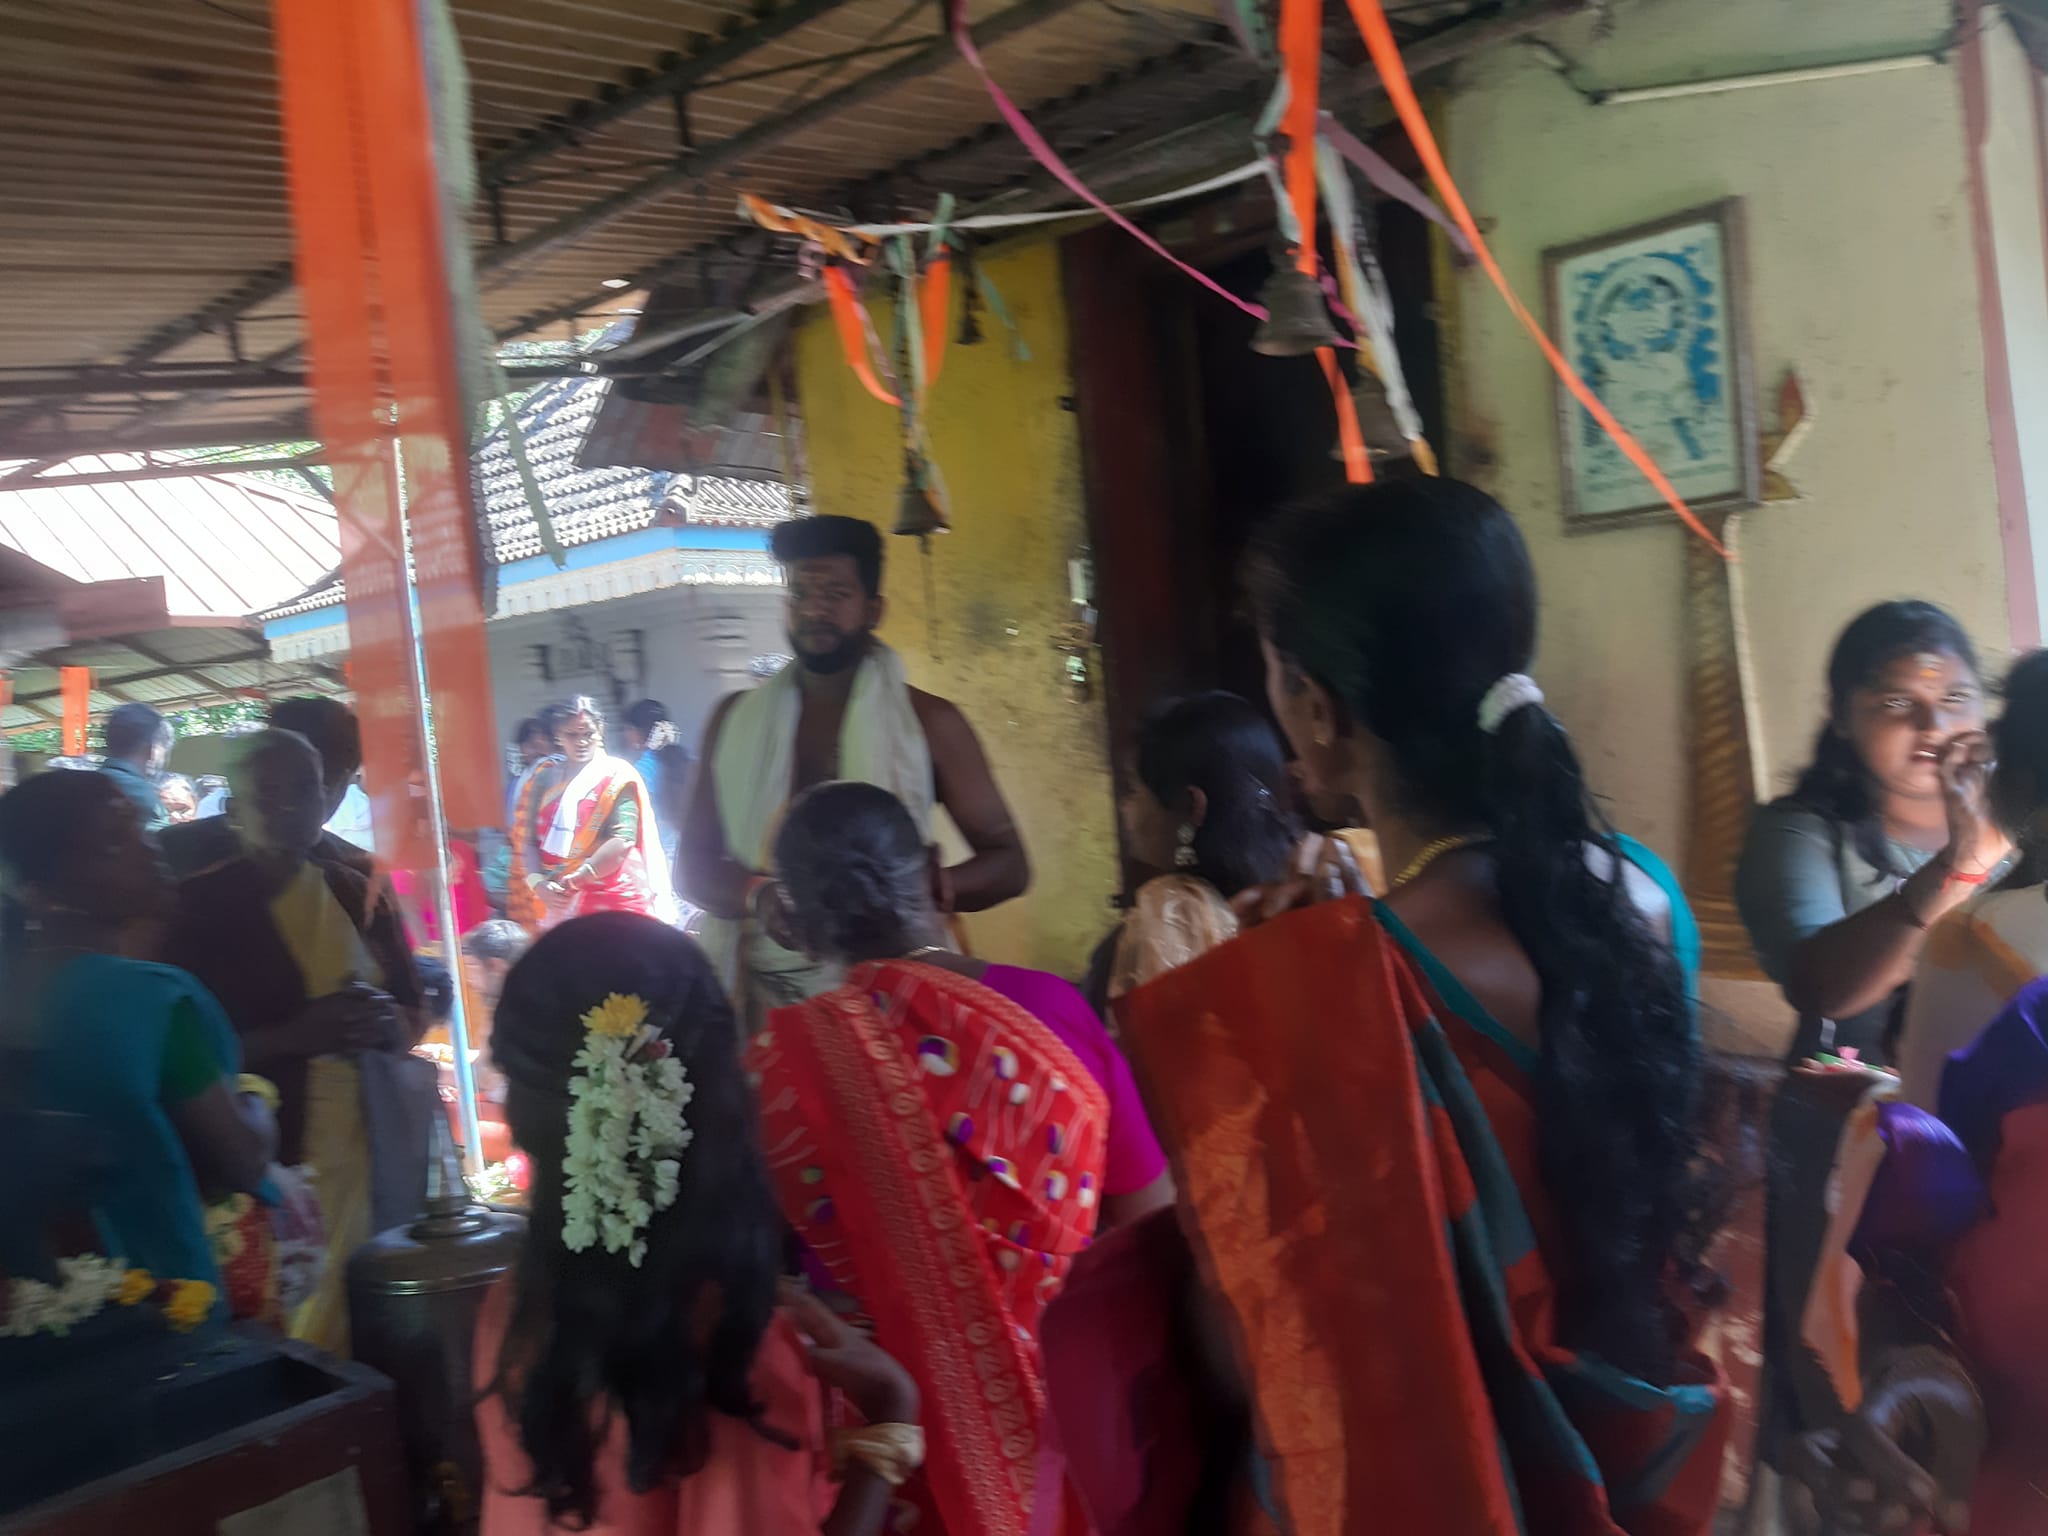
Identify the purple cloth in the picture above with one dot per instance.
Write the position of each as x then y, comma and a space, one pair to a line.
1133, 1157
1926, 1190
2003, 1069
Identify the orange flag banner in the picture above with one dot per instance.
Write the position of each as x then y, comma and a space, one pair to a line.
334, 258
74, 684
416, 240
371, 247
1386, 58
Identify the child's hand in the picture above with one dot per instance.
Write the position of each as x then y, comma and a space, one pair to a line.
880, 1390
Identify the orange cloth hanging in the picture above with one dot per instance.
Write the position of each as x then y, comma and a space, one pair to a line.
1301, 53
321, 97
414, 236
1386, 58
934, 309
75, 685
934, 306
1357, 462
832, 241
853, 340
1301, 57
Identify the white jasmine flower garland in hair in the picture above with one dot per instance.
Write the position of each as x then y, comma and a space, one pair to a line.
626, 1130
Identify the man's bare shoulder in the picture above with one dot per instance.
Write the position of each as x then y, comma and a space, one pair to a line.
945, 724
933, 710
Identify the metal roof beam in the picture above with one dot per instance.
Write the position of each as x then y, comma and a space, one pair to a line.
259, 289
86, 383
672, 74
1433, 51
51, 449
609, 104
161, 472
694, 165
188, 669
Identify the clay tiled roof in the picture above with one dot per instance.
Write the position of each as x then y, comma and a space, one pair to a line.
588, 504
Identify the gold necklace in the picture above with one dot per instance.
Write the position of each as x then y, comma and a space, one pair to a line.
1431, 852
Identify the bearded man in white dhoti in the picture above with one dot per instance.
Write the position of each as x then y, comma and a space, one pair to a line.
843, 709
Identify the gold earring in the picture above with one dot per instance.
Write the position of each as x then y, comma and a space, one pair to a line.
1323, 739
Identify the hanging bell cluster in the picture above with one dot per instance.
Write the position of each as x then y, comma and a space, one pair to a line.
917, 514
1297, 321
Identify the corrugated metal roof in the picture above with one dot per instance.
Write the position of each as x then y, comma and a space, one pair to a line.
171, 669
226, 545
141, 171
142, 181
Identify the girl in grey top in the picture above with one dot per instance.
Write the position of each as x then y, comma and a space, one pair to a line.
1885, 831
1838, 884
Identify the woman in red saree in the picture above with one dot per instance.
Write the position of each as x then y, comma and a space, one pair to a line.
1434, 1151
944, 1152
584, 837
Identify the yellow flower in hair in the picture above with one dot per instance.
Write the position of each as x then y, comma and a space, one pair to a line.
190, 1305
620, 1016
137, 1286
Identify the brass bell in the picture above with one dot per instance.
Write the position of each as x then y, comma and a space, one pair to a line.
1297, 321
916, 513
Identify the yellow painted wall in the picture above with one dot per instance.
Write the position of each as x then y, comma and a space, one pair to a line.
1008, 449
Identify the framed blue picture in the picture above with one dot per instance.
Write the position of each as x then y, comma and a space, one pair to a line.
1655, 319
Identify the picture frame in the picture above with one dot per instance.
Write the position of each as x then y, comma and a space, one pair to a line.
1656, 319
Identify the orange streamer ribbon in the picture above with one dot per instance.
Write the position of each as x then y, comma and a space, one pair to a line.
934, 308
1357, 462
75, 685
1386, 58
1301, 55
828, 238
853, 336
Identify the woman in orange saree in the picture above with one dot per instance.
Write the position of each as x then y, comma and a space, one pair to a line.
1436, 1152
584, 837
942, 1153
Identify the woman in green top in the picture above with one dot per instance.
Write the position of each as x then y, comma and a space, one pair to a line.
1838, 884
141, 1053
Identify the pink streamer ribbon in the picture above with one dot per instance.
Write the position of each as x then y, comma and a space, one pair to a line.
1382, 175
1048, 157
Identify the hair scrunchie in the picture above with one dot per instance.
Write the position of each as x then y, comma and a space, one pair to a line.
1515, 691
